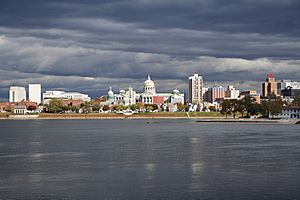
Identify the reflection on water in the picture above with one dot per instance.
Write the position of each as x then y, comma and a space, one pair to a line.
148, 159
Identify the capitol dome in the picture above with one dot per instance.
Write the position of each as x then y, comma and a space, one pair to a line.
110, 94
149, 83
176, 91
149, 86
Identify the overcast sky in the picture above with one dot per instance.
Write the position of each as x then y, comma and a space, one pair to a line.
88, 45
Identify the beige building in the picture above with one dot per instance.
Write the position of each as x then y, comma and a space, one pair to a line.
215, 93
269, 86
195, 89
251, 93
232, 93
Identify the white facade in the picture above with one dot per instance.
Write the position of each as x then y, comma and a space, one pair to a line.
65, 95
149, 95
176, 97
288, 83
35, 93
149, 87
130, 96
20, 110
195, 89
17, 94
291, 113
232, 93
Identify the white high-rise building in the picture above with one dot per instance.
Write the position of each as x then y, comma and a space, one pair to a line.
195, 89
35, 93
17, 94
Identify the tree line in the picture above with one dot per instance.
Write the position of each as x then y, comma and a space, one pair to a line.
248, 106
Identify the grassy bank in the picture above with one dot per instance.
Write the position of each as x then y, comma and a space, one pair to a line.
138, 115
206, 114
3, 115
77, 115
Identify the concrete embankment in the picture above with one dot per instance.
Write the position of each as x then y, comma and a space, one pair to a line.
249, 121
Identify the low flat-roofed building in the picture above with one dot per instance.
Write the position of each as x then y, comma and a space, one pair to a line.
251, 93
48, 95
20, 110
291, 113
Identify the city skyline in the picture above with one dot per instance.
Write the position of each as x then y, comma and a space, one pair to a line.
140, 86
117, 43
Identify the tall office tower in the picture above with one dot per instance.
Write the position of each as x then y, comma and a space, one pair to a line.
195, 89
215, 93
269, 86
35, 93
17, 94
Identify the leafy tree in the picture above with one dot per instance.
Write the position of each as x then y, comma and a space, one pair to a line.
105, 108
275, 104
148, 108
226, 107
140, 105
240, 107
31, 107
250, 105
180, 107
134, 107
234, 105
55, 106
296, 101
212, 108
9, 109
119, 107
86, 107
103, 98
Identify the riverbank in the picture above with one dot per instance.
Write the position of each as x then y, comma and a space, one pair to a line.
200, 117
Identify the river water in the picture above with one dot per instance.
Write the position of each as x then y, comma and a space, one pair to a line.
148, 159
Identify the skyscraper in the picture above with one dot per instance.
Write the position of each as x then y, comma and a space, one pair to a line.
269, 86
195, 89
35, 93
17, 94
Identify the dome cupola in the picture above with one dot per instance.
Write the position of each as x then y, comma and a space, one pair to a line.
149, 86
110, 94
176, 91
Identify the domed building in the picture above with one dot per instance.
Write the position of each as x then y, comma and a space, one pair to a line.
110, 94
148, 96
149, 86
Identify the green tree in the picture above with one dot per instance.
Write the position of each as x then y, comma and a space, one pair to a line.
234, 106
148, 108
240, 107
271, 106
275, 104
105, 108
55, 106
8, 109
250, 105
119, 107
134, 107
296, 101
180, 107
226, 107
86, 107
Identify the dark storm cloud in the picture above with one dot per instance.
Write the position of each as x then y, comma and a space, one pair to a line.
93, 42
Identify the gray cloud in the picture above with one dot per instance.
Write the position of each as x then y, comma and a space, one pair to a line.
89, 45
